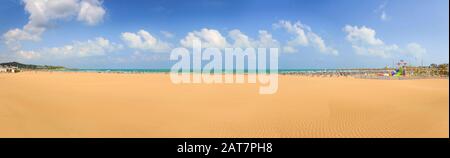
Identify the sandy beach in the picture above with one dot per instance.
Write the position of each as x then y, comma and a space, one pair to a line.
81, 104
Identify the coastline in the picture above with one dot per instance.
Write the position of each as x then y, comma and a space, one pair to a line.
363, 73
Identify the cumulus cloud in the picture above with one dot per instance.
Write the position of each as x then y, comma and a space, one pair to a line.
365, 42
91, 12
97, 47
43, 12
303, 36
384, 51
297, 29
234, 39
28, 54
362, 35
415, 50
208, 37
241, 40
12, 38
318, 43
266, 40
145, 41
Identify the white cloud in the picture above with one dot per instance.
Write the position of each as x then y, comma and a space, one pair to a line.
365, 42
384, 51
241, 40
28, 54
382, 11
297, 29
91, 11
415, 50
303, 36
43, 12
362, 35
289, 49
266, 40
318, 43
97, 47
208, 37
143, 40
235, 39
12, 37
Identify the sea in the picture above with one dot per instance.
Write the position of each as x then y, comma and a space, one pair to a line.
281, 71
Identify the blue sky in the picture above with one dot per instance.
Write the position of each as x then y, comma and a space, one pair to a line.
112, 33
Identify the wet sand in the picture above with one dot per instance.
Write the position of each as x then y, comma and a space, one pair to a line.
76, 104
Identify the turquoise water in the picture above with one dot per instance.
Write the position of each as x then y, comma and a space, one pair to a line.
121, 70
168, 70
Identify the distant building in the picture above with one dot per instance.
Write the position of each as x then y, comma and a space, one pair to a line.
3, 69
9, 69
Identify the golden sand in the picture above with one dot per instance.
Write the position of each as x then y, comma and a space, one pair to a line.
69, 104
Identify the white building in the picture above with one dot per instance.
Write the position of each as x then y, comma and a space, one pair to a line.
9, 69
3, 69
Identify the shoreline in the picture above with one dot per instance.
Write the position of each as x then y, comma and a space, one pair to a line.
299, 74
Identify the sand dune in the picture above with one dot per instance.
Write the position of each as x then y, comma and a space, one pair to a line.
69, 104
